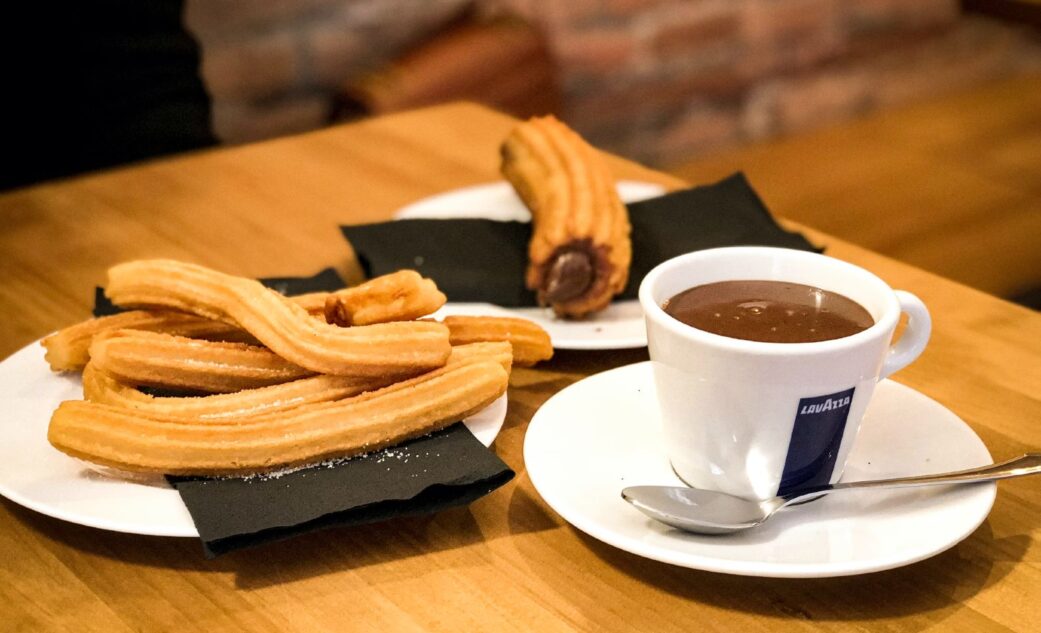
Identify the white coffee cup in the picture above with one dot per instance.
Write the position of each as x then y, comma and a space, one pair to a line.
750, 418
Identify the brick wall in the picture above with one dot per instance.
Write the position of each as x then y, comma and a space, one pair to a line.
655, 80
273, 66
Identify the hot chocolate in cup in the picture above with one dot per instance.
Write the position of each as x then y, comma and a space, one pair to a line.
756, 419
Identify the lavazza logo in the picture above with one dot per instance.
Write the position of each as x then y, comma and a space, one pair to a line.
828, 405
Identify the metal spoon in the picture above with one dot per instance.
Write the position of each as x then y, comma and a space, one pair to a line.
708, 512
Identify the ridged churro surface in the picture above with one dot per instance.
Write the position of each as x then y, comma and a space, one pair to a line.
400, 296
103, 388
162, 360
68, 348
283, 326
130, 440
530, 342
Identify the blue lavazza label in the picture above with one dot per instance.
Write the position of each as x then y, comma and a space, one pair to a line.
816, 436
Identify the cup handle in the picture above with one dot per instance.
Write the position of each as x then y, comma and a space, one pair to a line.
914, 338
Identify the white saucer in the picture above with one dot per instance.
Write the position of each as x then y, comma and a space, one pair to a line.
38, 476
620, 326
603, 433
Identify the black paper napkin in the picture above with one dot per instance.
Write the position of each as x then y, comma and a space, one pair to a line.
428, 474
485, 260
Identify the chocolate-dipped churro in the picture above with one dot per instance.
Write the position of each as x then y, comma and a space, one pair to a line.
580, 250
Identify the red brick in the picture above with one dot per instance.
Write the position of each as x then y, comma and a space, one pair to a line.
392, 36
586, 12
251, 69
210, 18
400, 13
648, 78
615, 103
335, 54
698, 132
759, 112
549, 17
596, 51
791, 35
973, 52
629, 7
874, 16
786, 19
694, 27
798, 104
874, 26
819, 99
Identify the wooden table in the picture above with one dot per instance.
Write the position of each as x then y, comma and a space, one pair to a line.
507, 562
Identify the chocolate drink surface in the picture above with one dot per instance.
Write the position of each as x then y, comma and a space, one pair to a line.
769, 311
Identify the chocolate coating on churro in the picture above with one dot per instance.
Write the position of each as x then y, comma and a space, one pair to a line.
569, 274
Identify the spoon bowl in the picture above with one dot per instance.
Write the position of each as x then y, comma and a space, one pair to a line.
693, 510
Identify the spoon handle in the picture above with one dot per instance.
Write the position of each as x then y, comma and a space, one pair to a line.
1029, 464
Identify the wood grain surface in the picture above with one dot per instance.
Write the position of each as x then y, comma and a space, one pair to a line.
507, 562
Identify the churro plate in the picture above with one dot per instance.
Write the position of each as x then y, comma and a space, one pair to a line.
36, 475
620, 326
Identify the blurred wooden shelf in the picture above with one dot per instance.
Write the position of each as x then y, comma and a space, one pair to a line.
952, 185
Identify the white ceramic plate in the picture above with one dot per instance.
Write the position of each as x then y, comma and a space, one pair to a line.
603, 433
39, 477
620, 326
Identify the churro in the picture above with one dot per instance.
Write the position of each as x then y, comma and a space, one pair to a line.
398, 348
68, 348
162, 360
580, 250
127, 439
530, 342
101, 387
498, 351
312, 302
399, 296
